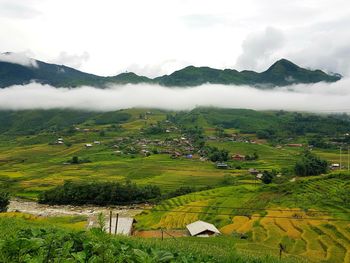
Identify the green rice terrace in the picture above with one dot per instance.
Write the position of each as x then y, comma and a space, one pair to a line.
274, 183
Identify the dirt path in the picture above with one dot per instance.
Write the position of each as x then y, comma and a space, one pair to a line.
29, 207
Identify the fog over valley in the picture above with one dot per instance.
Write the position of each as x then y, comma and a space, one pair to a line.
320, 97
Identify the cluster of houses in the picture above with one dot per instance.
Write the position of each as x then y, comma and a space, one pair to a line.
233, 138
176, 147
86, 129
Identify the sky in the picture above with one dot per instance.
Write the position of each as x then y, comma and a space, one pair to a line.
156, 37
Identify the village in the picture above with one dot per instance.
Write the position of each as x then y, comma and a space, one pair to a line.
166, 137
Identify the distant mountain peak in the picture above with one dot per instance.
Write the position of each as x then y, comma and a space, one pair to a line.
283, 64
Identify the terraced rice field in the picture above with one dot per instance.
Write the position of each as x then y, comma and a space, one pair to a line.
313, 233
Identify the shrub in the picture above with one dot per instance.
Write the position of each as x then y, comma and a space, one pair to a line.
267, 177
4, 201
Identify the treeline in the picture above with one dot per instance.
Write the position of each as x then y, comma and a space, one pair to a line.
109, 193
276, 126
102, 193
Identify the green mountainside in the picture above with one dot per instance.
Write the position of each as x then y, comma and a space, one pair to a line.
281, 73
272, 124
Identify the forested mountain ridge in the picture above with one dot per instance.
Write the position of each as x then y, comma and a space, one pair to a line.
281, 73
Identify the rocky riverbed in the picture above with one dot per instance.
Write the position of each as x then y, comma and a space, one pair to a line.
30, 207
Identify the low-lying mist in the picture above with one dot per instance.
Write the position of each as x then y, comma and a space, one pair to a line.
320, 97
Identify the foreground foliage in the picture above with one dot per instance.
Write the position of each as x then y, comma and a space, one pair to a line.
25, 242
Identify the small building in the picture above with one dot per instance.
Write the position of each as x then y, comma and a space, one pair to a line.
124, 226
295, 145
238, 157
259, 176
202, 229
88, 145
176, 155
60, 141
253, 171
221, 165
97, 142
120, 225
335, 166
278, 147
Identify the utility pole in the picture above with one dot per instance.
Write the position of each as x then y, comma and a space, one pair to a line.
348, 160
340, 158
116, 224
110, 221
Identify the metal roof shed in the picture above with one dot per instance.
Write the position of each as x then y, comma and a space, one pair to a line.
125, 225
202, 229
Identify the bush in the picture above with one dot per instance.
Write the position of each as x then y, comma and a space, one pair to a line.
267, 177
4, 201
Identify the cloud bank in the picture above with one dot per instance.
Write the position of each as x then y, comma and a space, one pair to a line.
321, 97
18, 58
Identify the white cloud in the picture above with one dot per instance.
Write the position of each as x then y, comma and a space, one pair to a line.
165, 67
18, 10
71, 60
18, 58
321, 97
259, 49
117, 35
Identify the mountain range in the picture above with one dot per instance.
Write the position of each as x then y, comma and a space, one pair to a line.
281, 73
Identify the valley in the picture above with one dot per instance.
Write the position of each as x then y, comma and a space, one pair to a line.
179, 152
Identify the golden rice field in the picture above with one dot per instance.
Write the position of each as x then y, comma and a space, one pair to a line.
311, 234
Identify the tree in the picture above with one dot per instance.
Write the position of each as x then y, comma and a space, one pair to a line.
216, 155
267, 177
4, 201
75, 160
310, 164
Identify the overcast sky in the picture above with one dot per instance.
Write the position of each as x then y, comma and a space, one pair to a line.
156, 37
